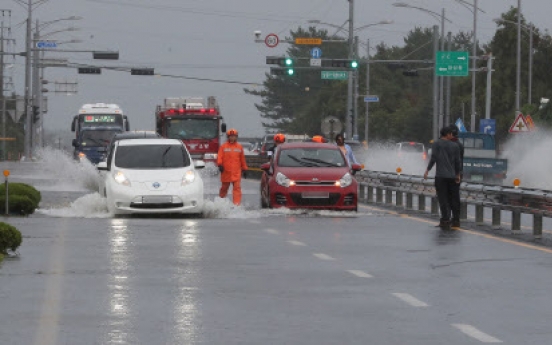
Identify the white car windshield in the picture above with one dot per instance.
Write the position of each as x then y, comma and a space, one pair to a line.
151, 157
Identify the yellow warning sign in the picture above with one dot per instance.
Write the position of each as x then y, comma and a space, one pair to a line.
308, 41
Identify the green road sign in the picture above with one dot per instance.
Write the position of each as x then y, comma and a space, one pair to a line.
452, 64
335, 75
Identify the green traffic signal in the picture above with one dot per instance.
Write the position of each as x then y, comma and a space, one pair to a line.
354, 64
289, 62
290, 71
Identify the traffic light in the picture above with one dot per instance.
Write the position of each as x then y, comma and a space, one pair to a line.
90, 70
411, 73
36, 114
142, 71
340, 63
286, 62
282, 71
105, 55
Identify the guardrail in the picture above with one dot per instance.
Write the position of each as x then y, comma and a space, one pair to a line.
390, 189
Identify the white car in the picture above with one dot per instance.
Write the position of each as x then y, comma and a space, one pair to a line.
151, 176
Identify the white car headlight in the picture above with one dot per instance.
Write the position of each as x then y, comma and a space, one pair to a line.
210, 156
120, 178
188, 178
345, 181
283, 180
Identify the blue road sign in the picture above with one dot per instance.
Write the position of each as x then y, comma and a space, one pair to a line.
316, 53
487, 126
460, 124
46, 44
371, 99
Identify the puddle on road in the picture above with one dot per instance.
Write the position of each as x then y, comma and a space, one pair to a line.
95, 206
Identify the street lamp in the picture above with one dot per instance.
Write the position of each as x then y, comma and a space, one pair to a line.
530, 28
438, 102
352, 103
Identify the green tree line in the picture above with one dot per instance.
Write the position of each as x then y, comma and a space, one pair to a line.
298, 104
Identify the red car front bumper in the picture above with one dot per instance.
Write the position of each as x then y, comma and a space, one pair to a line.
318, 198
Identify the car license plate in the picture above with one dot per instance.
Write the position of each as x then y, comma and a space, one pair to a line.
315, 195
477, 178
161, 199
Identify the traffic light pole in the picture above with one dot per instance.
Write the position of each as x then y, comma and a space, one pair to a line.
355, 97
350, 111
28, 106
366, 123
35, 90
435, 86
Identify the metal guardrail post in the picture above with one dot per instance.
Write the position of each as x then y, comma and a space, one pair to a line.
434, 206
389, 197
464, 211
497, 212
379, 195
362, 192
537, 226
409, 201
421, 202
399, 198
370, 195
479, 215
516, 222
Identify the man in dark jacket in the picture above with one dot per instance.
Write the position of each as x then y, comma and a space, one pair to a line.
456, 210
445, 154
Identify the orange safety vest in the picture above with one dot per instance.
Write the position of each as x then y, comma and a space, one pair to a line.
232, 158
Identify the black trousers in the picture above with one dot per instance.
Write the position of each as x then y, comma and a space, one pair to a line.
448, 194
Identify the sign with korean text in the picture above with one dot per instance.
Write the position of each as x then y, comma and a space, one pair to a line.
452, 64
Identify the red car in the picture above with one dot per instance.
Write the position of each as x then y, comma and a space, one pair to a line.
309, 175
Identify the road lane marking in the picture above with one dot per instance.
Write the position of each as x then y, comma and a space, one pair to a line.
297, 243
360, 274
323, 256
475, 333
272, 231
472, 232
411, 300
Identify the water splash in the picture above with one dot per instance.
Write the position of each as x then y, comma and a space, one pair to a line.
88, 206
385, 157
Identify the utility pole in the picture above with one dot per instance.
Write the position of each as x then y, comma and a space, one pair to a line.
28, 108
489, 86
448, 86
518, 64
366, 104
530, 86
355, 92
35, 88
349, 112
442, 79
4, 13
435, 82
474, 64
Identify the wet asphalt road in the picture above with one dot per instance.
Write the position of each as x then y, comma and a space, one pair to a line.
270, 278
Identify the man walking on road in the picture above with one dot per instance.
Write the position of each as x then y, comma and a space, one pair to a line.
445, 154
231, 163
456, 211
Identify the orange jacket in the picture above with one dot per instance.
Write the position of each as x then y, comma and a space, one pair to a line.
232, 158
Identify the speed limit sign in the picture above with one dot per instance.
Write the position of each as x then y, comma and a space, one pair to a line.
272, 40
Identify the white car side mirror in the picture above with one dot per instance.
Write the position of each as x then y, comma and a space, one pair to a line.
199, 164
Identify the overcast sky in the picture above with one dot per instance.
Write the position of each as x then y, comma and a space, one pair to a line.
213, 39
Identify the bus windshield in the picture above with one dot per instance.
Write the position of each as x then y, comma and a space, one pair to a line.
93, 138
192, 129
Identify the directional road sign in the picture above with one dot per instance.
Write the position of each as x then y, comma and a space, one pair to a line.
46, 44
371, 99
316, 53
335, 75
487, 126
452, 64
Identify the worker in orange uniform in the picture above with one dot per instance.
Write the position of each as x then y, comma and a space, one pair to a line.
231, 163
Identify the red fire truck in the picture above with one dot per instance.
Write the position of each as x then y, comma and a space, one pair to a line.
196, 122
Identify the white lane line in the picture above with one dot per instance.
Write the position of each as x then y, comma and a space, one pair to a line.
272, 231
360, 274
323, 256
475, 333
413, 301
297, 243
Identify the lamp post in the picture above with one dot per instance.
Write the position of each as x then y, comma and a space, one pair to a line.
438, 104
518, 64
531, 29
354, 97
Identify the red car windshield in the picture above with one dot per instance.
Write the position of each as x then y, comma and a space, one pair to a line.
310, 157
